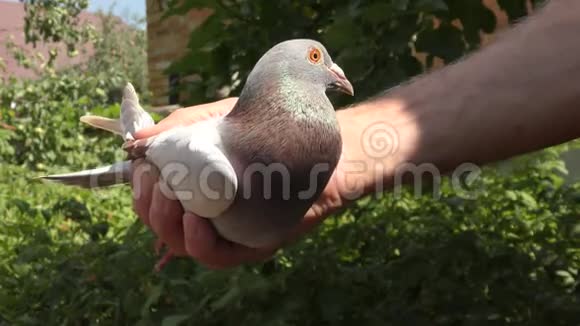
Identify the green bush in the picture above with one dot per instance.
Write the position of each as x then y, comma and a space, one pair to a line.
46, 111
48, 133
45, 114
509, 254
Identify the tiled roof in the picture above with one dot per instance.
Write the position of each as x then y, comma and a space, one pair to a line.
12, 26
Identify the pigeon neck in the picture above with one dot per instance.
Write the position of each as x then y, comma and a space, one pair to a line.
306, 102
288, 99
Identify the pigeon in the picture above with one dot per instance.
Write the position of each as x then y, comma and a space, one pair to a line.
256, 171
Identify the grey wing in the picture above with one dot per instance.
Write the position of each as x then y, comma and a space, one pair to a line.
192, 163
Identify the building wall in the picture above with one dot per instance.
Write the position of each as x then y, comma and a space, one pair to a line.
168, 39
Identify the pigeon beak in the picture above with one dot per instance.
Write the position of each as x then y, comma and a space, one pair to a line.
340, 83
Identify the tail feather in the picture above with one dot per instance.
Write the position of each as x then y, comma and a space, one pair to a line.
133, 118
111, 125
118, 173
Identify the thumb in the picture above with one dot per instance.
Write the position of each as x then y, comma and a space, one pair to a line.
188, 116
163, 125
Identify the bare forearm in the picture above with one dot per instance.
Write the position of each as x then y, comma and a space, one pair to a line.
520, 94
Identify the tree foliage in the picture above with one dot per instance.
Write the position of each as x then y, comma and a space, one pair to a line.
507, 252
507, 255
56, 21
375, 42
45, 111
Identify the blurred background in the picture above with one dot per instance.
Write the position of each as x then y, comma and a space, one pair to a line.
505, 253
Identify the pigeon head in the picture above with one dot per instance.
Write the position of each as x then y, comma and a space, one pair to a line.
292, 77
301, 62
308, 61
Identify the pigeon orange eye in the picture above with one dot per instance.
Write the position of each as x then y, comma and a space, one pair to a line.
314, 56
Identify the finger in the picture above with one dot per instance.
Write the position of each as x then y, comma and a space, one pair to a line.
329, 202
165, 217
187, 116
308, 223
165, 124
204, 244
143, 178
313, 218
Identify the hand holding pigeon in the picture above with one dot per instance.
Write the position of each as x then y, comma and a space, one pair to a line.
187, 234
256, 171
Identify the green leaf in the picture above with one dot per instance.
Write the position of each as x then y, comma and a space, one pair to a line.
378, 11
445, 42
154, 294
342, 33
528, 200
232, 294
430, 5
174, 320
399, 4
515, 9
511, 195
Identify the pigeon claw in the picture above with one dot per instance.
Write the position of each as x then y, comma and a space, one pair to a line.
166, 258
135, 148
163, 261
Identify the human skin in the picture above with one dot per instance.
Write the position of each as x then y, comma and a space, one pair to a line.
517, 95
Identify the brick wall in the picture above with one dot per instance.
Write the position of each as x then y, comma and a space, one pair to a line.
168, 39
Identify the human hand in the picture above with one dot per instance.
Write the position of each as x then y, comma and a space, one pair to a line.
186, 234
